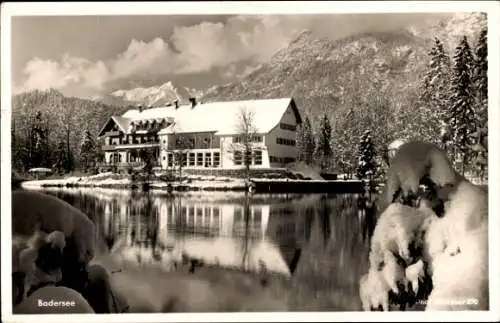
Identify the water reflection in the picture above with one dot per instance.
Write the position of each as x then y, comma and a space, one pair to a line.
318, 240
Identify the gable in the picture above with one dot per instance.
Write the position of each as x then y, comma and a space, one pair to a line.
114, 123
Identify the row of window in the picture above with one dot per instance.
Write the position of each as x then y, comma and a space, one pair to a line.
253, 138
281, 160
254, 158
207, 159
285, 141
286, 126
204, 214
132, 140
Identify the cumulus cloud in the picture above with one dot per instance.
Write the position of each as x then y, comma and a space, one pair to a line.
190, 49
232, 48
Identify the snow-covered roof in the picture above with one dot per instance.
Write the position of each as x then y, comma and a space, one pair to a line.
219, 117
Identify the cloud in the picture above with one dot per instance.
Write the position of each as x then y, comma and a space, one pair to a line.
194, 49
241, 42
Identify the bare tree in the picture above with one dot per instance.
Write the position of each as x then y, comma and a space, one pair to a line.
180, 146
245, 143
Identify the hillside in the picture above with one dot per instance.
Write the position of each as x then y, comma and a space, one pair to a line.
328, 76
61, 115
324, 75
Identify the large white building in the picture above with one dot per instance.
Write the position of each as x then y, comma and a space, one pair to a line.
206, 135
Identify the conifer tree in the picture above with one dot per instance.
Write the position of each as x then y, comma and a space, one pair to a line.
87, 151
434, 96
481, 79
367, 166
323, 148
461, 116
306, 142
39, 153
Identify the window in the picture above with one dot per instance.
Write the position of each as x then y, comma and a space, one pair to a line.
191, 216
184, 159
199, 215
257, 138
199, 159
191, 159
248, 158
258, 157
208, 159
284, 141
238, 157
164, 141
286, 126
207, 214
236, 139
257, 215
216, 159
170, 215
163, 157
238, 215
170, 159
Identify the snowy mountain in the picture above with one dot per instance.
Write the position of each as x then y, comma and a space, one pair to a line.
155, 95
325, 75
149, 96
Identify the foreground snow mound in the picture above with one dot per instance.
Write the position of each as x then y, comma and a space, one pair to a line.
399, 229
449, 252
34, 211
457, 251
414, 163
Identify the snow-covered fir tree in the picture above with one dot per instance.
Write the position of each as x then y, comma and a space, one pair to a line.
434, 96
323, 148
461, 119
87, 151
480, 79
39, 152
306, 143
367, 165
480, 76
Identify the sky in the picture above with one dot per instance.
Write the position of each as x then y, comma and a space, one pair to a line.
91, 55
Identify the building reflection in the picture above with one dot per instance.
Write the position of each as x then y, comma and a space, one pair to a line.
159, 230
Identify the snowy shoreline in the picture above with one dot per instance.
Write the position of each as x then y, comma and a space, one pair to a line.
191, 183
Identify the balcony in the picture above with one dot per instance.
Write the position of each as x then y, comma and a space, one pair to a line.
134, 165
127, 145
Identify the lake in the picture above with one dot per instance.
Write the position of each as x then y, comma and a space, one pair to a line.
313, 246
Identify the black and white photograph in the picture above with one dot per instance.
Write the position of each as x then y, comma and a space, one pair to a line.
247, 160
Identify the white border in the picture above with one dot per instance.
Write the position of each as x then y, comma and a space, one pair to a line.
311, 7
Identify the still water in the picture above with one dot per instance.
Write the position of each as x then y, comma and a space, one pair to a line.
317, 242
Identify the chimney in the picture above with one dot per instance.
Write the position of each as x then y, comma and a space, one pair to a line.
193, 102
140, 107
176, 103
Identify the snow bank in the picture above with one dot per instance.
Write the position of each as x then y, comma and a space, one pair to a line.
33, 211
458, 252
455, 252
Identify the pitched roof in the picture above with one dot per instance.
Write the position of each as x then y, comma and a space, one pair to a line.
223, 117
219, 117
